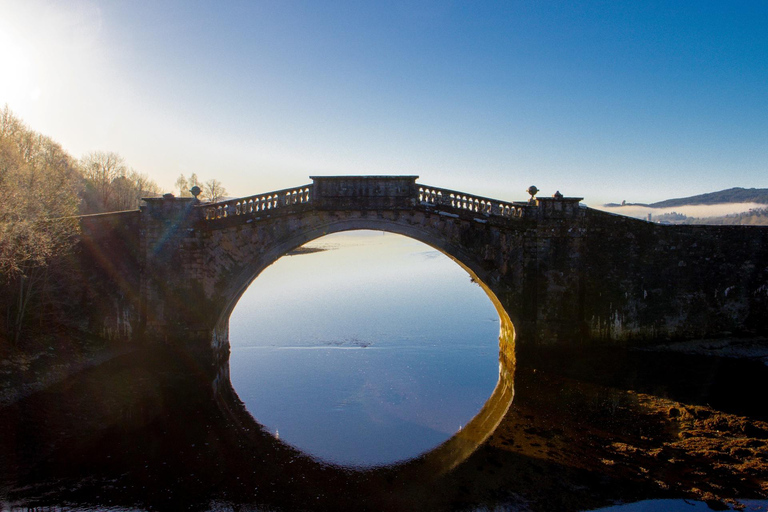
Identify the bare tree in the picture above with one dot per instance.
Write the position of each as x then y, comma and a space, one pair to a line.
143, 186
111, 186
193, 182
129, 189
182, 185
101, 169
186, 184
213, 190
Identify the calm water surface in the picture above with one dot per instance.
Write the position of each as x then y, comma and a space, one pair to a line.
374, 350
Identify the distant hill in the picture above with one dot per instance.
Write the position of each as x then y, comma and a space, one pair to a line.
731, 195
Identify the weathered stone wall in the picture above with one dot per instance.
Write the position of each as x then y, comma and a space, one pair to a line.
366, 192
645, 281
104, 275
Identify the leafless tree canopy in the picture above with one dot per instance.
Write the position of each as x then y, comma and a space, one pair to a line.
111, 186
212, 190
41, 186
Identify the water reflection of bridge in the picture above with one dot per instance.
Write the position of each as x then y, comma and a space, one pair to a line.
420, 467
559, 273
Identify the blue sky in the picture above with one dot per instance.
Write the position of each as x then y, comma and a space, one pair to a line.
608, 100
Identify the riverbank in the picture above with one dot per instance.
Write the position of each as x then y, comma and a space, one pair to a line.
687, 420
49, 359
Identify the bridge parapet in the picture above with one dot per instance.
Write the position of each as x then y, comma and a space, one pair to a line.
387, 192
434, 196
253, 205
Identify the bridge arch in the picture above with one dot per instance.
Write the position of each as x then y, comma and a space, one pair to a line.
302, 231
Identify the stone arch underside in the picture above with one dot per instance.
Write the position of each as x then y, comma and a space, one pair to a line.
279, 242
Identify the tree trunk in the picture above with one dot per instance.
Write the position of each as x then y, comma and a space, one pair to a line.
26, 291
20, 307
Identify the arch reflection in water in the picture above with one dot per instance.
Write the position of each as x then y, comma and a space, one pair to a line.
277, 455
373, 351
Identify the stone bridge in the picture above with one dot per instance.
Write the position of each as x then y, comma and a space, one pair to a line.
559, 274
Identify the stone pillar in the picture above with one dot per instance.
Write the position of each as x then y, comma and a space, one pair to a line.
171, 300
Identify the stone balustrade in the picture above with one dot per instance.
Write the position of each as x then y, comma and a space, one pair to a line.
254, 205
372, 192
434, 196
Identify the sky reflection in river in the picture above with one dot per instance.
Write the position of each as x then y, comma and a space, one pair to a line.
373, 351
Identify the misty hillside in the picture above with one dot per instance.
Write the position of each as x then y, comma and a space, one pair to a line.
756, 217
731, 195
726, 207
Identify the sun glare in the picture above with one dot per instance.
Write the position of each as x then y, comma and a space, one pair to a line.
19, 83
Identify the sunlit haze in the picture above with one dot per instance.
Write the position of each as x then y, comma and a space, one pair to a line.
612, 101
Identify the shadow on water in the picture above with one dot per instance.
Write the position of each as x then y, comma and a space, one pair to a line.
152, 430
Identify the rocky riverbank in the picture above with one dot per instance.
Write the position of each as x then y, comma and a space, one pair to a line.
48, 360
686, 420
